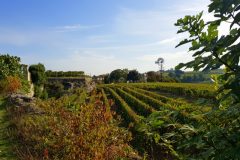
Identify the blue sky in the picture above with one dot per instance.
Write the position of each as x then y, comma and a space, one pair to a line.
96, 36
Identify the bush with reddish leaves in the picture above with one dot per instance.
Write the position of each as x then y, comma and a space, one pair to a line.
10, 84
59, 133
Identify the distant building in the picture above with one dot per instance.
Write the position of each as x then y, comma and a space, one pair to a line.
99, 79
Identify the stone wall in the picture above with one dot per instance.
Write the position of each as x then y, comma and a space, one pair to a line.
69, 82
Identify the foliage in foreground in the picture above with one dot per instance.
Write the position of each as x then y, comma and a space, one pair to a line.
219, 137
212, 50
55, 132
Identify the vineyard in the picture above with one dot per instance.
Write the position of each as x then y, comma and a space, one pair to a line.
121, 88
140, 100
163, 126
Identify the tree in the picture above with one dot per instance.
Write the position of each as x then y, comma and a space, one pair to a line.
106, 79
38, 75
118, 75
156, 77
151, 76
211, 50
219, 135
178, 73
133, 76
55, 89
11, 75
175, 74
9, 66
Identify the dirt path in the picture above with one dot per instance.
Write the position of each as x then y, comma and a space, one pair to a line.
5, 143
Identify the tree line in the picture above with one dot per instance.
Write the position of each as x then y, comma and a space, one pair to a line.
172, 75
50, 73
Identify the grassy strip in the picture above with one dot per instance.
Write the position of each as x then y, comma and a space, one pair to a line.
184, 115
157, 104
81, 99
128, 114
105, 100
139, 106
162, 98
187, 89
6, 144
198, 90
180, 105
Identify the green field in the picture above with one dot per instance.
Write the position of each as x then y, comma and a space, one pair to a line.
139, 100
169, 110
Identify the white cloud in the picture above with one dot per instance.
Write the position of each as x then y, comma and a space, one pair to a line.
131, 50
191, 7
27, 38
155, 23
90, 54
76, 27
87, 61
99, 39
169, 40
140, 56
143, 23
14, 38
